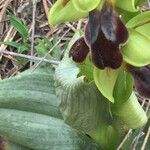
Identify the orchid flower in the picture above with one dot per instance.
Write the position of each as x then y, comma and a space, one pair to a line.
120, 51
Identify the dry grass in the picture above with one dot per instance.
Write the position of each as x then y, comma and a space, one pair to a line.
34, 13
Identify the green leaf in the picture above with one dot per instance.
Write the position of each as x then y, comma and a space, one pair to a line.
41, 49
31, 91
45, 45
136, 52
82, 105
14, 146
19, 26
41, 132
139, 20
123, 87
21, 47
105, 81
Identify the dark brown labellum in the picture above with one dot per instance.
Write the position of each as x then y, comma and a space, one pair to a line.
104, 33
79, 51
142, 79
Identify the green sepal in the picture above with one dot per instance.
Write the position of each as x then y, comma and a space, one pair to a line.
130, 112
60, 14
85, 5
136, 52
131, 6
139, 20
126, 5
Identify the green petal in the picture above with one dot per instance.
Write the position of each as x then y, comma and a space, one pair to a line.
145, 30
139, 20
137, 50
126, 5
105, 81
60, 14
85, 5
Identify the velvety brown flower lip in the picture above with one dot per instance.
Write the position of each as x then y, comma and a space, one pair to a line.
79, 50
104, 33
142, 79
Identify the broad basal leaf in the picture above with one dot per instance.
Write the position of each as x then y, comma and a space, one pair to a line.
31, 91
41, 132
82, 105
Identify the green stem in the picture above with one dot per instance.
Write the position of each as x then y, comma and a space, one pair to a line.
106, 136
